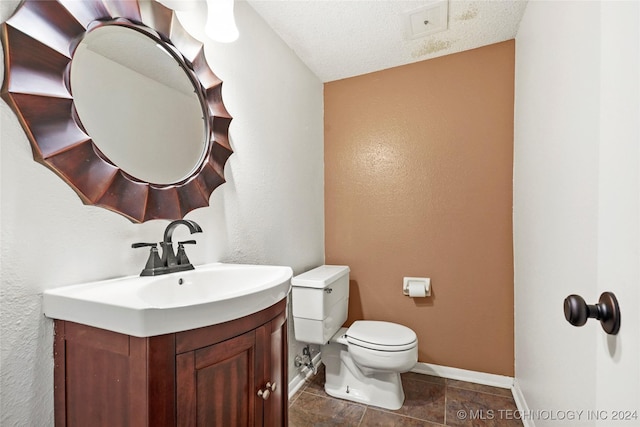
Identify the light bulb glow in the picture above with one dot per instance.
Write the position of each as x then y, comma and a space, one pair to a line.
221, 23
179, 4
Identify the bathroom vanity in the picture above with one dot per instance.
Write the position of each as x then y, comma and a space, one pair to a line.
228, 374
205, 347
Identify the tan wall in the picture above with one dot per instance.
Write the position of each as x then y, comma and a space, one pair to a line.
418, 182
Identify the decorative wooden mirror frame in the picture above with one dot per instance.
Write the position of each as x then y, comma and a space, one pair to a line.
39, 41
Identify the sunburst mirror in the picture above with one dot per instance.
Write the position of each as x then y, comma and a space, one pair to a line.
118, 100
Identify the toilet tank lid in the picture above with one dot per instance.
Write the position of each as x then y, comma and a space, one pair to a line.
320, 277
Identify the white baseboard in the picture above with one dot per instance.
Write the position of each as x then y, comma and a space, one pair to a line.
521, 403
298, 381
493, 380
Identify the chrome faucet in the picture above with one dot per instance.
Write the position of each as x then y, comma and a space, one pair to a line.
170, 261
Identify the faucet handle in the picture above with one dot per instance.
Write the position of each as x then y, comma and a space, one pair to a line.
181, 255
143, 245
153, 262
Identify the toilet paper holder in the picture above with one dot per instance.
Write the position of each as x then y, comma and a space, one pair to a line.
416, 286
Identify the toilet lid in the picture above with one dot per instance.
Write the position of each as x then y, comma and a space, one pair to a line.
378, 335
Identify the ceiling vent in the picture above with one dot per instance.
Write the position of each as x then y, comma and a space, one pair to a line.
429, 19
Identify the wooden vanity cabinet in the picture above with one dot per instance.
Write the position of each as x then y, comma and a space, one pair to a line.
219, 375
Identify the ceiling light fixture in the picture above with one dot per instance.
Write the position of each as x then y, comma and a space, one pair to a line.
221, 23
178, 4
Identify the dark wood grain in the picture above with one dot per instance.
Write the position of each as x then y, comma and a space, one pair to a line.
82, 168
39, 41
276, 406
97, 369
85, 12
161, 380
59, 375
226, 382
201, 337
186, 409
203, 377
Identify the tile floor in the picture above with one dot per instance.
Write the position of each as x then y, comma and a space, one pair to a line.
429, 401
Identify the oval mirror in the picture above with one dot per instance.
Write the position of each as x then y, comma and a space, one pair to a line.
138, 104
119, 101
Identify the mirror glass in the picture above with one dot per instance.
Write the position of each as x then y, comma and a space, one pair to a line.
139, 105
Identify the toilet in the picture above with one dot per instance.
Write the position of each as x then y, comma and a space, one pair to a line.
362, 362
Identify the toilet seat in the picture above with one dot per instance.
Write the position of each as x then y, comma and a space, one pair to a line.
381, 336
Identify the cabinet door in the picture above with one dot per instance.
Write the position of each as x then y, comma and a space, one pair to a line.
275, 408
106, 379
216, 384
276, 411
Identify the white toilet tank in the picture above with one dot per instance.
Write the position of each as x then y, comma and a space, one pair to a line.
320, 300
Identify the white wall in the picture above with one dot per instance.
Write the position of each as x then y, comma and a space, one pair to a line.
269, 212
576, 204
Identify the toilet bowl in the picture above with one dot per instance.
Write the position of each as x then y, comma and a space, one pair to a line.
369, 371
362, 362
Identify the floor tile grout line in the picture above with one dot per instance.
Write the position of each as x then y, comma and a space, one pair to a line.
386, 411
366, 408
293, 399
428, 381
460, 384
376, 408
446, 388
482, 392
389, 411
446, 383
326, 396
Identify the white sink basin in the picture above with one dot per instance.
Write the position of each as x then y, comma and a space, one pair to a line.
148, 306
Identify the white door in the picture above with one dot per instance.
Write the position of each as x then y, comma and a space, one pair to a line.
577, 209
618, 358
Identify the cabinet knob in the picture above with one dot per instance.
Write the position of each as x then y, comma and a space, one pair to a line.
264, 393
268, 389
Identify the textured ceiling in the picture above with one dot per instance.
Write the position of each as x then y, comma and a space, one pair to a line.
337, 39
